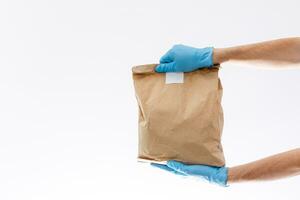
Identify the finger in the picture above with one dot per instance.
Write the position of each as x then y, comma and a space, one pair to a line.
165, 67
166, 168
167, 58
177, 166
161, 166
199, 170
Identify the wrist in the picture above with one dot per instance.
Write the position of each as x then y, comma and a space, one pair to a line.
234, 175
220, 55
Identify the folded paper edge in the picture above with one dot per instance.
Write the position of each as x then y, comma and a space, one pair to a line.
144, 69
150, 68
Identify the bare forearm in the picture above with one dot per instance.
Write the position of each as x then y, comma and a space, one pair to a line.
274, 167
275, 52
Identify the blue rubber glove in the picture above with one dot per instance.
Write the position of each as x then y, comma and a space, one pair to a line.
217, 175
183, 58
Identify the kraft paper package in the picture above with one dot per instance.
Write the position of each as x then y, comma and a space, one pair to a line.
180, 115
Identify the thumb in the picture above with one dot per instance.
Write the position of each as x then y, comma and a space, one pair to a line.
167, 58
165, 67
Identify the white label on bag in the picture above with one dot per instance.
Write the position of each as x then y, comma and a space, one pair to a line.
174, 77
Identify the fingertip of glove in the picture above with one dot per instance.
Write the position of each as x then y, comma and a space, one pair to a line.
175, 164
161, 166
165, 67
154, 164
158, 69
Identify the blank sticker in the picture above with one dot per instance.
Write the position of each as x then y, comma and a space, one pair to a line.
174, 77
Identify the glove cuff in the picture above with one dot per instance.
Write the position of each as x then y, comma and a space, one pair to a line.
206, 57
221, 177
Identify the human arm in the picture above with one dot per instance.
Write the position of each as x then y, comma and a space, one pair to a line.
274, 167
277, 53
278, 166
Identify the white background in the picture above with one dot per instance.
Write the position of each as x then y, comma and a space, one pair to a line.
68, 116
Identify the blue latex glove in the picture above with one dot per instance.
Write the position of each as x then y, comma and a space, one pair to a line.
183, 58
217, 175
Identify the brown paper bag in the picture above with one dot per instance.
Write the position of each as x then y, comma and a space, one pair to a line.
179, 121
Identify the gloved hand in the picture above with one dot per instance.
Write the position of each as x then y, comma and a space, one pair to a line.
183, 58
217, 175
